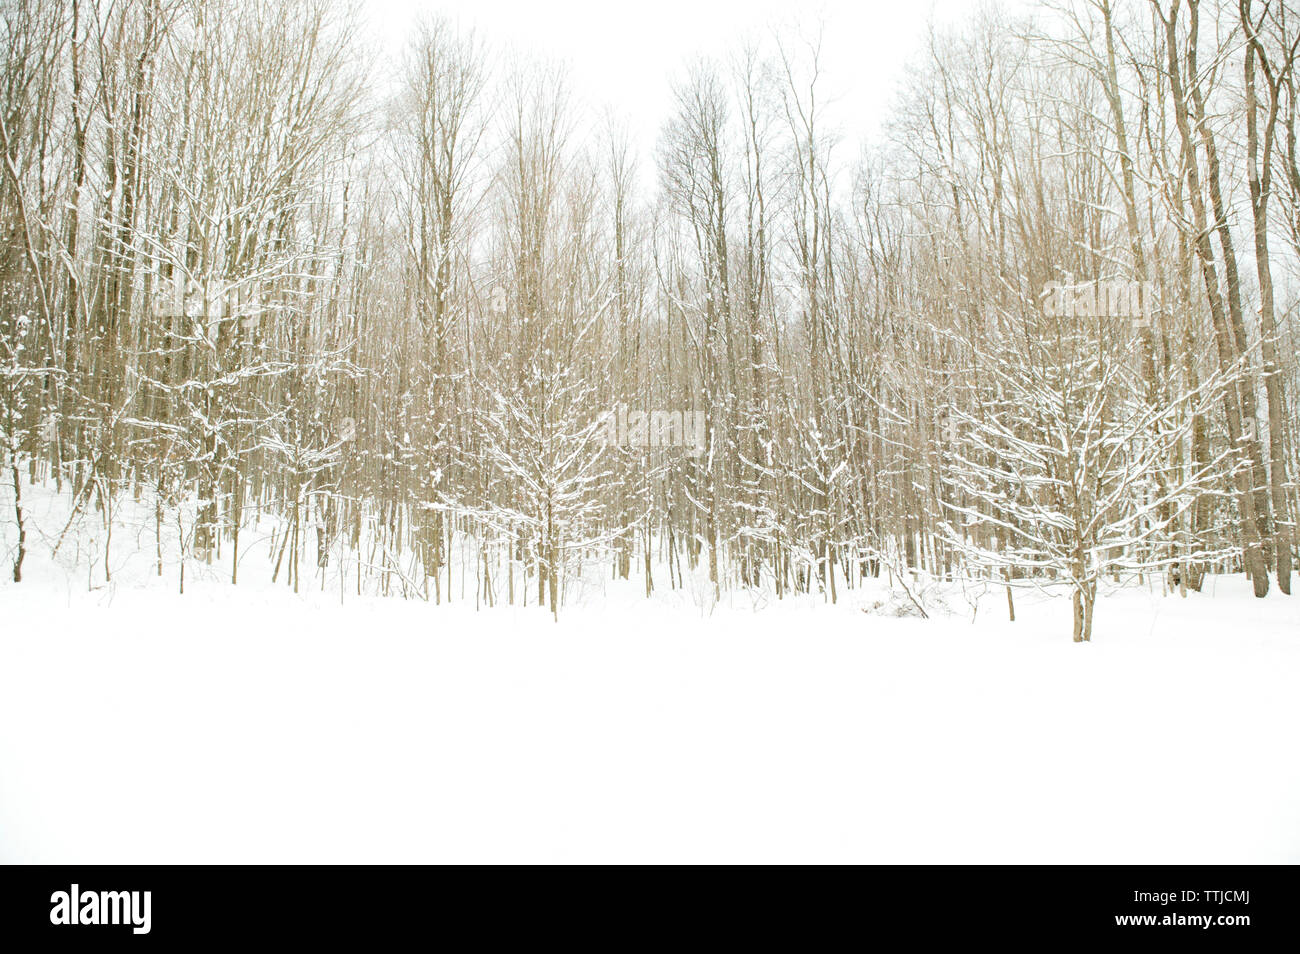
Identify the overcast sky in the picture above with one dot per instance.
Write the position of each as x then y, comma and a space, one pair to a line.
625, 55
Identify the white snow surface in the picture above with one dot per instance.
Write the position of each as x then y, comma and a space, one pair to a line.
246, 724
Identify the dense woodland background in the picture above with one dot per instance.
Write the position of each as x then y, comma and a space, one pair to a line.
253, 275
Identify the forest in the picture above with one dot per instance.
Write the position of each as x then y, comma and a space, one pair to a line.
435, 327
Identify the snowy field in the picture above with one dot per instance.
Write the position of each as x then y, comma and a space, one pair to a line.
237, 724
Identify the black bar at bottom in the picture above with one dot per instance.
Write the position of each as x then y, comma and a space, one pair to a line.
394, 906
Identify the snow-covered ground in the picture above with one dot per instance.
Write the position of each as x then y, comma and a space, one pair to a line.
243, 724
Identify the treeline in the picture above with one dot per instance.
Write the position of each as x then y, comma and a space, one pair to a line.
248, 268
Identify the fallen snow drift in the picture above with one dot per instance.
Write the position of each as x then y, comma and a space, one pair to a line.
235, 724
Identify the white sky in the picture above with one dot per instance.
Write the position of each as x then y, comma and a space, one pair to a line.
624, 55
